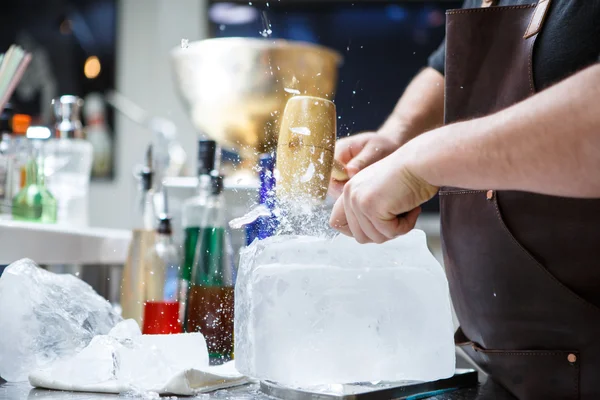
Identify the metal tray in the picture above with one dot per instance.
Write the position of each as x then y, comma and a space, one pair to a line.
368, 391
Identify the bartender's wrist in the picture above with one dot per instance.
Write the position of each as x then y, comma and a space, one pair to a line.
398, 130
421, 157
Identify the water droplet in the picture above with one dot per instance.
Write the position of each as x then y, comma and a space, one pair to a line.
461, 87
354, 92
221, 27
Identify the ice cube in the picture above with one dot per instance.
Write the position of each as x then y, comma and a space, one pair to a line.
313, 311
126, 359
44, 316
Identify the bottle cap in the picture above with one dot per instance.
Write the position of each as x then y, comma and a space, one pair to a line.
20, 124
164, 225
216, 184
67, 111
207, 156
93, 105
147, 172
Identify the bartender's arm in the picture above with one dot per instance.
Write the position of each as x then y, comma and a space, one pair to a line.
549, 144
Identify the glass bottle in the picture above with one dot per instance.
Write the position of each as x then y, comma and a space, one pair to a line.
207, 163
264, 227
141, 256
98, 134
34, 202
69, 162
161, 308
6, 117
15, 153
210, 300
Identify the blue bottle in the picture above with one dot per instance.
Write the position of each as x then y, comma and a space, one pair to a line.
264, 227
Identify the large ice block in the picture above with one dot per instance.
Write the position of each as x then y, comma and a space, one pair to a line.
44, 316
311, 311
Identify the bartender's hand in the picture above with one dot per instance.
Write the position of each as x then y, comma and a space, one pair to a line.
359, 151
374, 198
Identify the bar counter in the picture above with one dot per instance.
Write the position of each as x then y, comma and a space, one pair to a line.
23, 391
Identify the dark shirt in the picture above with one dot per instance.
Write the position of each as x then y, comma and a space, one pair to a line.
569, 40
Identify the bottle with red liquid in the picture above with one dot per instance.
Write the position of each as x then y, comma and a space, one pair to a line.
161, 308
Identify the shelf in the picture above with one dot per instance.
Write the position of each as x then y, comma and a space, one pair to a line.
56, 244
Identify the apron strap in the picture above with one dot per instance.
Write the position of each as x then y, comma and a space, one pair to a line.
537, 19
488, 3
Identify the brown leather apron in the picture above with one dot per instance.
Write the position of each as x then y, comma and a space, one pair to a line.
522, 267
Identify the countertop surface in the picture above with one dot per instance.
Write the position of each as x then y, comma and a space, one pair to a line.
22, 391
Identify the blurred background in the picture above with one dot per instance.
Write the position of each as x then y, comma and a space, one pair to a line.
90, 47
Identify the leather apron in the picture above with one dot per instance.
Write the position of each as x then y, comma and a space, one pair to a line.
520, 265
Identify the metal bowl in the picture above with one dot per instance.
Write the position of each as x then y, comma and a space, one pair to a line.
236, 88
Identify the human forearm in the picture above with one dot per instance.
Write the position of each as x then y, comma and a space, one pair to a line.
421, 108
549, 143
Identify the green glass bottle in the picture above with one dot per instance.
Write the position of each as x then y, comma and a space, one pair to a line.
34, 202
209, 306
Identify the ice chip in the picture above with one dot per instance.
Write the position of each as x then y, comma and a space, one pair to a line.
45, 316
314, 311
300, 130
310, 171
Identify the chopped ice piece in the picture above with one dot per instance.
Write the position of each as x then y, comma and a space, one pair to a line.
185, 43
130, 360
293, 91
259, 211
128, 329
310, 171
44, 316
301, 130
313, 311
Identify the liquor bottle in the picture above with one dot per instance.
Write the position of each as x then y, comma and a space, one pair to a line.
161, 308
210, 300
141, 255
207, 163
98, 134
69, 162
34, 202
264, 227
15, 153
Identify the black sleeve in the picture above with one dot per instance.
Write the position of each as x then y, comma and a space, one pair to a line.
438, 57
